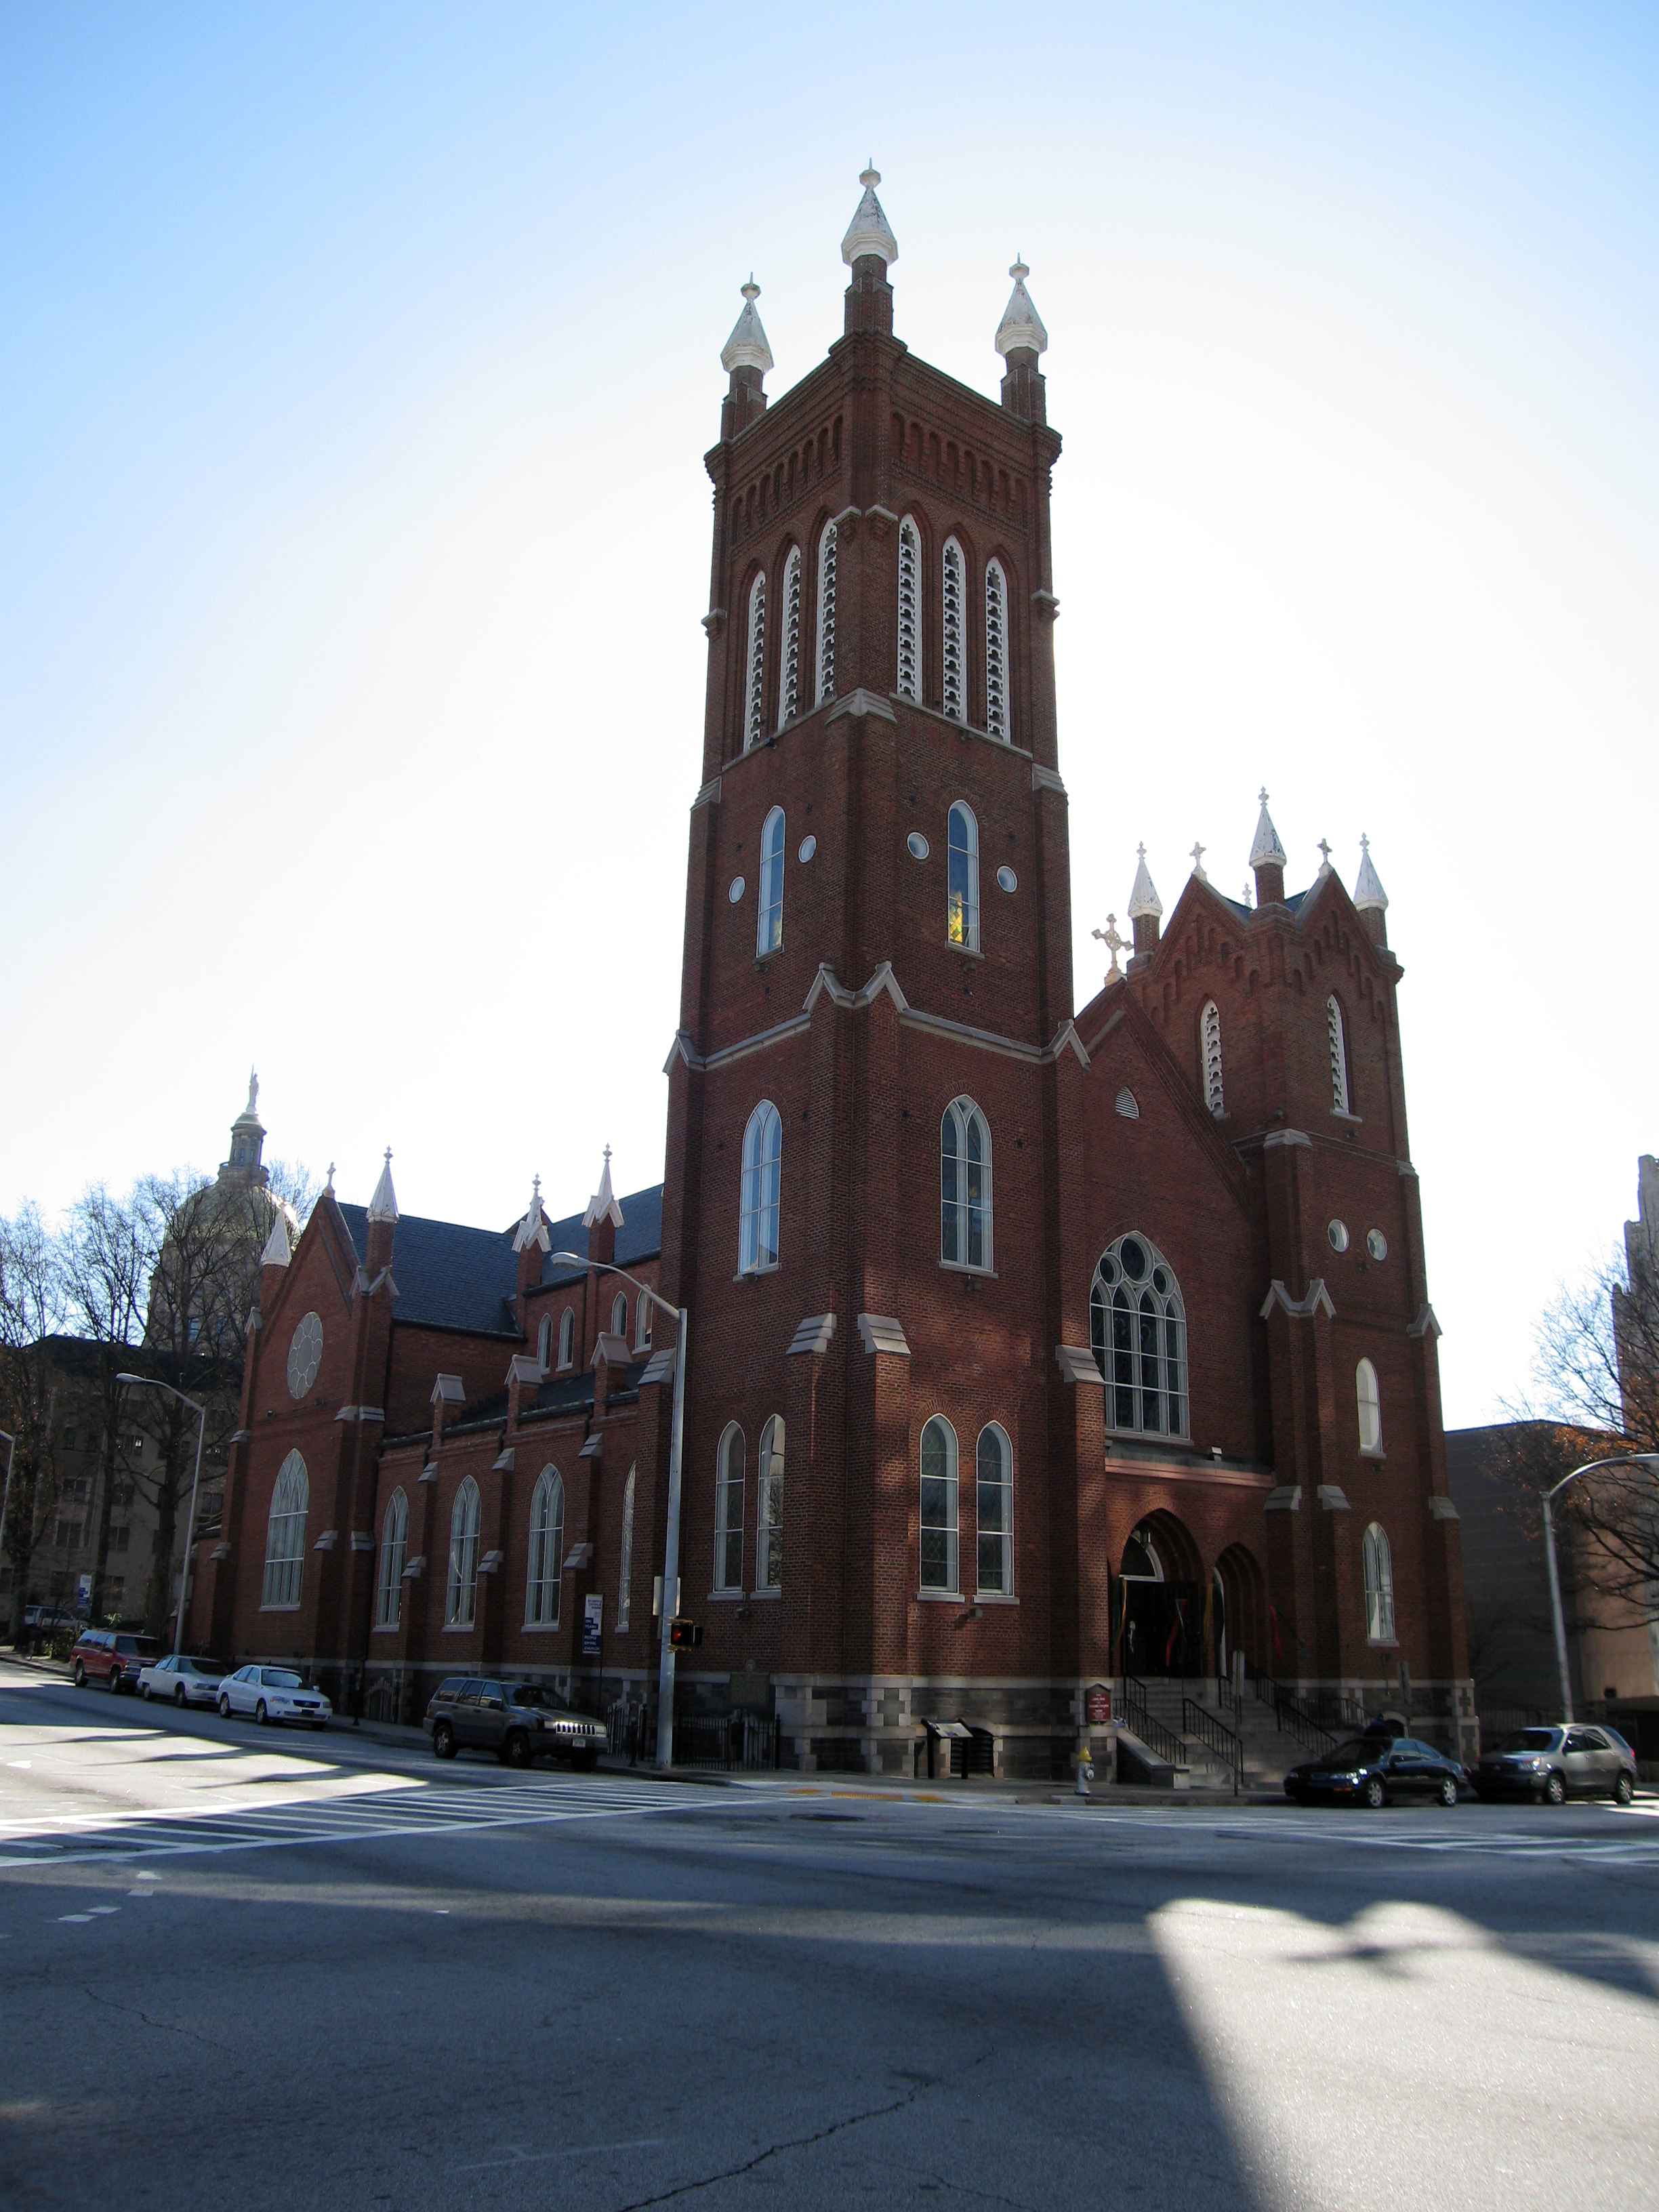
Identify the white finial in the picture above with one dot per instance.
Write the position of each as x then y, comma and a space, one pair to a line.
746, 348
1144, 899
1114, 944
329, 1185
278, 1251
1368, 891
253, 1090
1324, 850
869, 232
1021, 327
383, 1206
1198, 851
532, 1230
1266, 852
603, 1206
1250, 890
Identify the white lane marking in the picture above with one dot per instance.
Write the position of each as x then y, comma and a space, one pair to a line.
516, 2155
101, 1910
20, 1762
81, 1919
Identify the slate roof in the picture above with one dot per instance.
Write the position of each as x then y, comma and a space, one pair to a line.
450, 1276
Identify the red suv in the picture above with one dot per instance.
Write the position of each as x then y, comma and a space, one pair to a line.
112, 1657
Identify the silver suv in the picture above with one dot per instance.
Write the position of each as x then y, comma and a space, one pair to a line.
1559, 1763
520, 1722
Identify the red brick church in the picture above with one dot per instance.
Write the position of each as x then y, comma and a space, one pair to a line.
1032, 1346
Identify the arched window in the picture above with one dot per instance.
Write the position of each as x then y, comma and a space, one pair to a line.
1371, 1407
938, 1507
544, 1343
728, 1511
1339, 1044
1137, 1327
568, 1337
394, 1542
789, 677
994, 1512
619, 1316
769, 1535
1379, 1586
285, 1533
997, 719
642, 1324
625, 1562
1209, 1038
754, 689
962, 905
763, 1160
461, 1599
909, 609
542, 1581
826, 687
1127, 1104
955, 578
964, 1186
769, 920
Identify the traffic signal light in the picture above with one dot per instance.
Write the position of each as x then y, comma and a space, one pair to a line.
684, 1635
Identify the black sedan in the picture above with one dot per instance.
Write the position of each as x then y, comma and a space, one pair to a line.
1374, 1769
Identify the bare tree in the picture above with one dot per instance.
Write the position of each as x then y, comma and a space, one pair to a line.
33, 1307
109, 1257
1596, 1375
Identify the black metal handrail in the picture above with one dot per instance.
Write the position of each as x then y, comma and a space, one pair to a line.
1226, 1696
1292, 1718
1216, 1737
1152, 1732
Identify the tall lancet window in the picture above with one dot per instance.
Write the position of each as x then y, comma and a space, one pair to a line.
962, 890
964, 1186
758, 1206
997, 719
827, 614
1209, 1047
789, 678
1339, 1044
909, 609
769, 924
754, 679
955, 570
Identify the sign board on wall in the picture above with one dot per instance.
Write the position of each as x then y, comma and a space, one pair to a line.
1099, 1705
593, 1623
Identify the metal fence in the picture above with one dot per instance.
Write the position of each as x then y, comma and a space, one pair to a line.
726, 1742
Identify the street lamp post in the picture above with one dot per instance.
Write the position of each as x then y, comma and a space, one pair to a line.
670, 1557
154, 1382
1649, 1460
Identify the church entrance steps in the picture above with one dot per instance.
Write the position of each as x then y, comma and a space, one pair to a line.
1269, 1751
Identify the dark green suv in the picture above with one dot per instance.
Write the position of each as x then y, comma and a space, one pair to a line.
520, 1722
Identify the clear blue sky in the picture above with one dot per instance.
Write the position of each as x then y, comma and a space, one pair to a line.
333, 333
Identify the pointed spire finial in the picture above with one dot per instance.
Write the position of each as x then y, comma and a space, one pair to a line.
1021, 326
532, 1230
603, 1206
747, 348
1198, 851
1368, 891
383, 1206
869, 232
1266, 852
278, 1251
1144, 899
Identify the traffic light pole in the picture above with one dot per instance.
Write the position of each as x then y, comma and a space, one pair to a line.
670, 1556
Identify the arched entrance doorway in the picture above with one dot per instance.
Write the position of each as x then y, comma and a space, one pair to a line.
1160, 1630
1239, 1605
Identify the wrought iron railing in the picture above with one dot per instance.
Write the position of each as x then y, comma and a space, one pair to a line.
1217, 1738
1292, 1717
748, 1742
1152, 1732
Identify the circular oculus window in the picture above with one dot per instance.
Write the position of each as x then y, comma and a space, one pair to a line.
1337, 1233
916, 846
808, 846
305, 1356
1008, 879
736, 891
1376, 1244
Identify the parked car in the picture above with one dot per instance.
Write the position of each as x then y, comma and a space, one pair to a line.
186, 1680
520, 1722
114, 1657
1374, 1768
1557, 1762
41, 1620
272, 1693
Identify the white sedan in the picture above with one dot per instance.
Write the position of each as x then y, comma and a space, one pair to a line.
185, 1680
272, 1693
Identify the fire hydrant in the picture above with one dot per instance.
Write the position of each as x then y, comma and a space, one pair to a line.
1082, 1759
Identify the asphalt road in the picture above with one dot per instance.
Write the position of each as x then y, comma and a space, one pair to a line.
238, 1970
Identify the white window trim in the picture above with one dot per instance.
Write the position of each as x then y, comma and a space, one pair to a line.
953, 661
1004, 1596
769, 886
755, 1130
952, 1527
753, 678
969, 941
724, 1486
568, 1339
824, 662
549, 1484
292, 1479
959, 1114
999, 724
909, 604
461, 1586
789, 671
